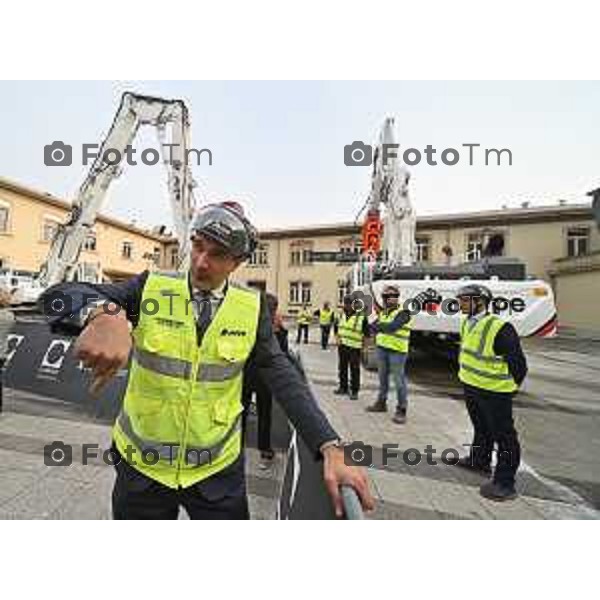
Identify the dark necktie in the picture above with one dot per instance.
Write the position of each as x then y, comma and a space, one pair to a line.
203, 300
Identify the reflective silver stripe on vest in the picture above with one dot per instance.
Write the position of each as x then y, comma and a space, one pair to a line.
481, 357
214, 450
478, 354
163, 365
170, 450
399, 334
219, 372
166, 450
485, 374
484, 334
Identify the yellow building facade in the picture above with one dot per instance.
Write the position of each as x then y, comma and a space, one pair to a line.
114, 250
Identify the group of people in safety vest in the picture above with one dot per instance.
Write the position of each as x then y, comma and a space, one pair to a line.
492, 366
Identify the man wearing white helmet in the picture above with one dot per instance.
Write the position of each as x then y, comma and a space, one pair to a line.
183, 403
492, 367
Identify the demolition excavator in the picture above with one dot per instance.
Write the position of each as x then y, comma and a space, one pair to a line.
388, 256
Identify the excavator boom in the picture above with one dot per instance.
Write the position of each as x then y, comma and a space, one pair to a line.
170, 117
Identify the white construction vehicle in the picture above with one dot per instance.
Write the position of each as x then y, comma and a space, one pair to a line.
170, 117
390, 259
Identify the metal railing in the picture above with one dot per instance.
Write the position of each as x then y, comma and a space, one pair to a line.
352, 506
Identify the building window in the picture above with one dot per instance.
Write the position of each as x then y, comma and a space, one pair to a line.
300, 253
423, 249
350, 249
300, 292
174, 257
4, 218
88, 272
127, 250
350, 246
260, 256
152, 257
341, 291
294, 292
474, 246
90, 243
49, 230
578, 241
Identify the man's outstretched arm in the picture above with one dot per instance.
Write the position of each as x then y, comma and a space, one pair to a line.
79, 298
295, 397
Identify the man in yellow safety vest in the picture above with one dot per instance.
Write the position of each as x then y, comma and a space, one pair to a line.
392, 339
177, 439
492, 366
350, 328
326, 318
303, 320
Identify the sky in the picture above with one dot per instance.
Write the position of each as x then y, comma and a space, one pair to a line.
278, 147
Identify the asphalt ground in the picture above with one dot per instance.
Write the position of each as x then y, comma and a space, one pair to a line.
557, 415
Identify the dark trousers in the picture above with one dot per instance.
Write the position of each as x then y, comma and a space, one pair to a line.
264, 408
222, 496
492, 419
349, 357
302, 327
325, 331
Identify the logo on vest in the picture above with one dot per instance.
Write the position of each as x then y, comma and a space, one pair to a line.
232, 332
169, 323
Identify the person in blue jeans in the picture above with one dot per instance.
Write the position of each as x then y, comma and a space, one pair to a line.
392, 338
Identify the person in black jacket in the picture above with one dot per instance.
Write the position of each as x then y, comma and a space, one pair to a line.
326, 318
264, 398
221, 239
350, 323
490, 384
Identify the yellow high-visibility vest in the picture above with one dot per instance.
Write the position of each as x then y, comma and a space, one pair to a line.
325, 316
399, 340
479, 365
304, 317
350, 330
182, 407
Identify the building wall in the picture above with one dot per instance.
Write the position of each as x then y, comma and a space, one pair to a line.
577, 300
539, 244
22, 246
576, 282
280, 272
